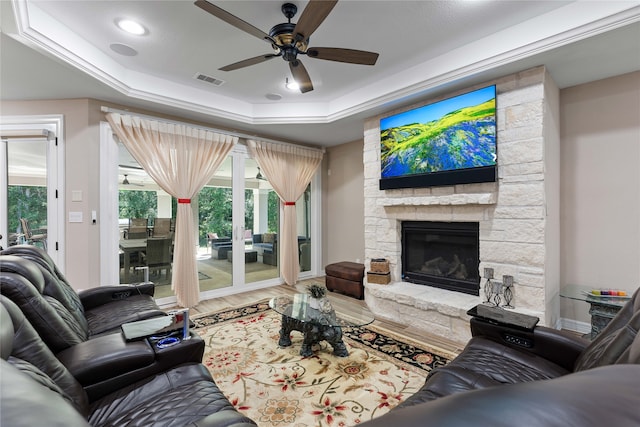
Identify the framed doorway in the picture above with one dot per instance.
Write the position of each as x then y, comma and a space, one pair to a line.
32, 171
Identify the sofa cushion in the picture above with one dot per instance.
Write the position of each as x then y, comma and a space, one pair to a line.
268, 238
180, 397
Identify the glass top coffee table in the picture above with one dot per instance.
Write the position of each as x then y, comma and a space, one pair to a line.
316, 324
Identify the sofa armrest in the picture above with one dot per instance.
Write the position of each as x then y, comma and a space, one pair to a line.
105, 357
559, 347
101, 295
107, 363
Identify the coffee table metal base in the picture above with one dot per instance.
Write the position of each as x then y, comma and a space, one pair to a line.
313, 334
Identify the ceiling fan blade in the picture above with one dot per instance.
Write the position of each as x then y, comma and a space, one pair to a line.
130, 167
301, 76
247, 62
233, 20
312, 16
350, 56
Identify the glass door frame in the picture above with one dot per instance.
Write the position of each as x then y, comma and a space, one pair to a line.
238, 155
54, 124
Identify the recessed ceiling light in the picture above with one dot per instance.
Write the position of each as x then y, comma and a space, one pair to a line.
131, 27
291, 85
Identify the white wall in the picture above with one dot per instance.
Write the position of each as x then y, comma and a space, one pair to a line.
343, 210
82, 161
600, 186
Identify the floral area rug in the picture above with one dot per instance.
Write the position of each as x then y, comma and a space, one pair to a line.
278, 387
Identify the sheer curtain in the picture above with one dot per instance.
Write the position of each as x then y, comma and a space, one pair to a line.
181, 160
289, 169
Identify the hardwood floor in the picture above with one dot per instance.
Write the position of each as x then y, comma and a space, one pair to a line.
341, 304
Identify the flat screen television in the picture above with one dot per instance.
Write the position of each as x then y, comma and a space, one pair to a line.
449, 142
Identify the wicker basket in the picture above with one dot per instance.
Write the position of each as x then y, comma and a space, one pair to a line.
379, 266
378, 278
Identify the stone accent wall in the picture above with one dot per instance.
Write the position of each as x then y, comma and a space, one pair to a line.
513, 214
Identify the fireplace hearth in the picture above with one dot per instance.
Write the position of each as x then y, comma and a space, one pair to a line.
442, 254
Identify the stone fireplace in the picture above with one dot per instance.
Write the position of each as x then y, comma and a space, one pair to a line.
517, 217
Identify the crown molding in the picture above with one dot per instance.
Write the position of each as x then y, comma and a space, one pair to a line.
560, 27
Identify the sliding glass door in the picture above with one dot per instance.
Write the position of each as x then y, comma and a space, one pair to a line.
237, 215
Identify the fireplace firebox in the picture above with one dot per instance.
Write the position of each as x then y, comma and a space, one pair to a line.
442, 254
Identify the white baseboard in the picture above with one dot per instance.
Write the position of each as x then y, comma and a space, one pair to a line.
575, 325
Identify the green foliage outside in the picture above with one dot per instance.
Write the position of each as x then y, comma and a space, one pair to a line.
138, 204
273, 218
214, 210
26, 202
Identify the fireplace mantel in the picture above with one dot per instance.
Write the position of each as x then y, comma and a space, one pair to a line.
451, 199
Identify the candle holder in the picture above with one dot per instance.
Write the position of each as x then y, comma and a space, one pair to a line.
488, 288
499, 294
497, 290
507, 281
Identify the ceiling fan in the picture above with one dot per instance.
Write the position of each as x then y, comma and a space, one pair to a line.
126, 181
289, 39
259, 175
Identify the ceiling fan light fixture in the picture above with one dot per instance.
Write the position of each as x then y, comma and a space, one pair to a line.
259, 174
292, 85
132, 27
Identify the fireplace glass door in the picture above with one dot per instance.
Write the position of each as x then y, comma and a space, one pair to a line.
441, 254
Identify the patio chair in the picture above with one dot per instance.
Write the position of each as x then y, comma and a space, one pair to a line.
138, 229
162, 227
158, 255
29, 235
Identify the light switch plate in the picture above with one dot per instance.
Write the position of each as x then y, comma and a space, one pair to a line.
75, 216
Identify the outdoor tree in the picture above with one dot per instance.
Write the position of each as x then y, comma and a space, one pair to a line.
26, 202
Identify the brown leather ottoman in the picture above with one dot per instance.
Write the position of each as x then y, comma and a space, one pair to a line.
345, 277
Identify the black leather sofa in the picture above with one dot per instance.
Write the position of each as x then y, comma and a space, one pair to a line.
38, 389
92, 308
100, 362
65, 318
508, 375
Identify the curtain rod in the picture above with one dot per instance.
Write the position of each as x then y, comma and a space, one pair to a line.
105, 109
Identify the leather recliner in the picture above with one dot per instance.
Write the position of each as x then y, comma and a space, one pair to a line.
37, 389
133, 301
63, 317
498, 354
541, 377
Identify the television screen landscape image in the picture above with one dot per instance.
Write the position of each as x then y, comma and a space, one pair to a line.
452, 141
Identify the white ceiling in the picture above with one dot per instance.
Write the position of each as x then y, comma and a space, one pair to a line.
61, 49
